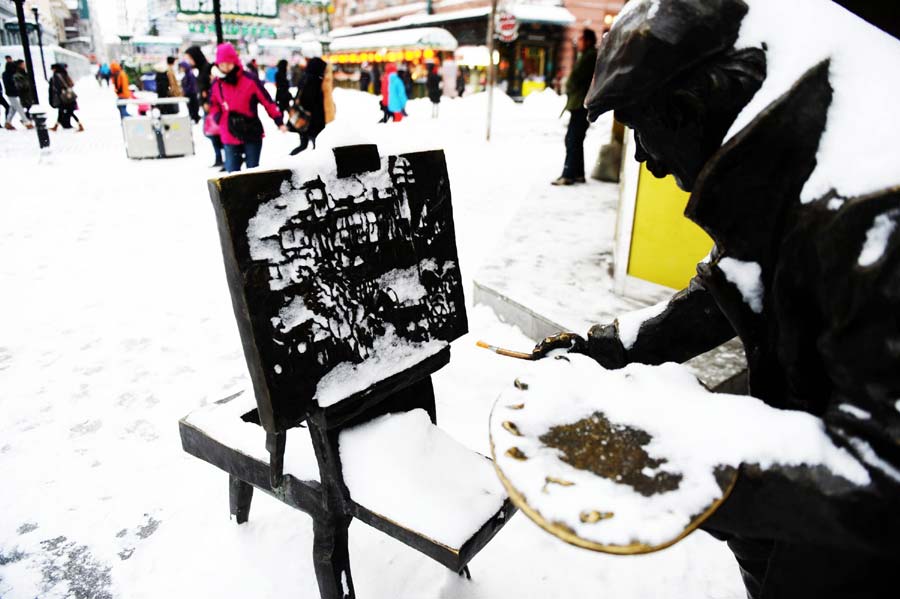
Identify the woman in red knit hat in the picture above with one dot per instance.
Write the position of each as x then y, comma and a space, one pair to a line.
232, 105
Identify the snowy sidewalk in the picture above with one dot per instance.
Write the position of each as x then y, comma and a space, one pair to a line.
116, 322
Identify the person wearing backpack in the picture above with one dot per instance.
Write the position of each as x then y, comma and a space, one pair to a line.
63, 98
233, 104
314, 104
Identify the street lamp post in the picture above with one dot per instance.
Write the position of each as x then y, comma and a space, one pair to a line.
43, 138
40, 40
217, 17
490, 74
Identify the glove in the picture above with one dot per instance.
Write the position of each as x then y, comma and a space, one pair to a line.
604, 346
568, 341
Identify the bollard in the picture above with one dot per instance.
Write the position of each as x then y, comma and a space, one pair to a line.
39, 115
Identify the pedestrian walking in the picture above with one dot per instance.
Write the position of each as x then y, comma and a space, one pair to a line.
397, 96
365, 77
167, 86
460, 82
105, 73
198, 60
122, 85
389, 69
433, 86
18, 90
282, 86
190, 90
376, 79
63, 98
174, 85
448, 75
233, 104
252, 69
576, 89
314, 103
13, 94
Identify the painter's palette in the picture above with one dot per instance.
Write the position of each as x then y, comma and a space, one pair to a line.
590, 456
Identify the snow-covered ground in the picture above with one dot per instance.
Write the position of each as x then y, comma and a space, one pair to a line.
116, 322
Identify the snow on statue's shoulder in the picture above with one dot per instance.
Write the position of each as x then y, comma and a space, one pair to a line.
631, 460
858, 153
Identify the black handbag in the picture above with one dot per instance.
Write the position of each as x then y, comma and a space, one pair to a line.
245, 128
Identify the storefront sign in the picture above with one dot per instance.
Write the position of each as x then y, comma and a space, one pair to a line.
506, 27
234, 30
250, 8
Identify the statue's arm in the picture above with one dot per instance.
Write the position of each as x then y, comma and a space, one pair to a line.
690, 324
685, 326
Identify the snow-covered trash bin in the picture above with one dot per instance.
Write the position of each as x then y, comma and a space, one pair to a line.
155, 135
347, 293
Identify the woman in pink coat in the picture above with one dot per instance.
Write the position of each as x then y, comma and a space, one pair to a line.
232, 104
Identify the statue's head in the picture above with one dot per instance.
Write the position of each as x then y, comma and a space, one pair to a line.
669, 70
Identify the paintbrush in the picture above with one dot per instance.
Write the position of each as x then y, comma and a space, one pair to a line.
505, 352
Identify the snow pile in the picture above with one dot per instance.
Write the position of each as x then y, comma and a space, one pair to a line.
854, 411
629, 324
877, 238
405, 283
406, 469
858, 152
390, 355
292, 315
747, 277
264, 228
222, 422
694, 430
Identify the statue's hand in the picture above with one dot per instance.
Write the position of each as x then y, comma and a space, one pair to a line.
570, 342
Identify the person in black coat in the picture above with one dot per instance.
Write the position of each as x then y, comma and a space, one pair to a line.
433, 86
365, 78
310, 98
376, 79
62, 97
163, 90
282, 86
204, 85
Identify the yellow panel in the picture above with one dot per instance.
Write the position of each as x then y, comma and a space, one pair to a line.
665, 245
532, 86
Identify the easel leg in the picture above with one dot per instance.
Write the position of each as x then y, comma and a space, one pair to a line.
240, 494
275, 443
332, 558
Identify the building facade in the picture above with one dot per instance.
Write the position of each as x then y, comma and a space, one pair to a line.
540, 35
